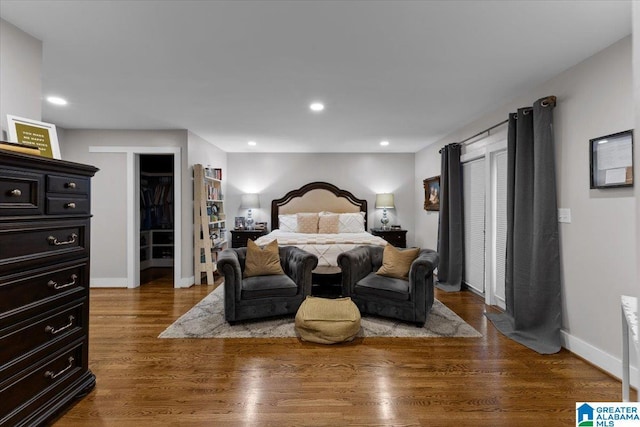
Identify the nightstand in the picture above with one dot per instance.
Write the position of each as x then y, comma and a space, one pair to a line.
397, 238
239, 237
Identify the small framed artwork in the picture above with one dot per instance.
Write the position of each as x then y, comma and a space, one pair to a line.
432, 193
611, 160
239, 223
36, 134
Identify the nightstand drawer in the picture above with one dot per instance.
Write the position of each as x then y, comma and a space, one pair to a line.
239, 238
397, 238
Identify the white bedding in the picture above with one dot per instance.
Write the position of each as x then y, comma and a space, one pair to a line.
326, 247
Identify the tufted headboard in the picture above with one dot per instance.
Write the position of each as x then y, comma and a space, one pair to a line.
317, 197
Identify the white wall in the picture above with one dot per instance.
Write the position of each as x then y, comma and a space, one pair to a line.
109, 196
272, 175
20, 75
598, 248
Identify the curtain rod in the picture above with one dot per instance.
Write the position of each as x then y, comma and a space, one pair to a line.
549, 100
489, 129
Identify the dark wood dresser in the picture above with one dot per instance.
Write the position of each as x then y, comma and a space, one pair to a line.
44, 287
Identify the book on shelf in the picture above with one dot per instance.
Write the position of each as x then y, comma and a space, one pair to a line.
215, 173
19, 148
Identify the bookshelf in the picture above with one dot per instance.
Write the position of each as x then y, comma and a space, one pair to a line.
209, 221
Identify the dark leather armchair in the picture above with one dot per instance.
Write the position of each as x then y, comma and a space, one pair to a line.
265, 296
407, 300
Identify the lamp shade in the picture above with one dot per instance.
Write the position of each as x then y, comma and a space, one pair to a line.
250, 201
384, 200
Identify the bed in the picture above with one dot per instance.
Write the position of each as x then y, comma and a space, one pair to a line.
322, 219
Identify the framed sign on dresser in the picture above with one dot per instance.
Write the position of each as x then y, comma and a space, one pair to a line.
44, 287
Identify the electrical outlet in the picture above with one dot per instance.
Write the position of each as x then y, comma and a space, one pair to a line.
564, 215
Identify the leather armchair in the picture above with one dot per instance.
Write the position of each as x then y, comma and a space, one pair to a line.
265, 296
407, 300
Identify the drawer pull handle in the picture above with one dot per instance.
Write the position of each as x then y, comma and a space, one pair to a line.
53, 241
53, 331
15, 193
53, 376
70, 205
57, 286
72, 185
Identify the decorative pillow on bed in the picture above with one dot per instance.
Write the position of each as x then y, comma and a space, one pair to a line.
288, 223
307, 223
396, 263
328, 224
351, 222
262, 262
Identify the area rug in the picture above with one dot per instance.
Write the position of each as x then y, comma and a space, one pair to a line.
206, 320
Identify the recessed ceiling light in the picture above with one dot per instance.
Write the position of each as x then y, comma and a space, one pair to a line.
316, 106
384, 143
252, 143
57, 100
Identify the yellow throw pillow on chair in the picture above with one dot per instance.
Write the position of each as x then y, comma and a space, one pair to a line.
396, 263
262, 262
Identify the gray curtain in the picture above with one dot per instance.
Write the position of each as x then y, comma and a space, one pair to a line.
450, 227
532, 289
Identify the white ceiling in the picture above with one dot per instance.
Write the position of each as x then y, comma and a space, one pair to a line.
409, 72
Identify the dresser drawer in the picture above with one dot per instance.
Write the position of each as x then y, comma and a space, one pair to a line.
32, 339
29, 291
23, 393
67, 184
21, 193
35, 243
67, 205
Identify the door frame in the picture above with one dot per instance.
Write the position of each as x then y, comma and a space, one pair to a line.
133, 208
487, 147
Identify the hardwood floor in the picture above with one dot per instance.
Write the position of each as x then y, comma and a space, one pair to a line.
489, 381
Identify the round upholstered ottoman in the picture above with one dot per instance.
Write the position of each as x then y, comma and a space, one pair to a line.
327, 321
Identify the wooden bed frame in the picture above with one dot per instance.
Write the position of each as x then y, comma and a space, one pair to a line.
317, 197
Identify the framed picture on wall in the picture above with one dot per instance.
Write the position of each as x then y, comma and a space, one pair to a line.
611, 162
239, 223
432, 193
40, 135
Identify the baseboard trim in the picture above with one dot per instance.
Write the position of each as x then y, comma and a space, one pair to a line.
121, 282
108, 282
608, 363
186, 282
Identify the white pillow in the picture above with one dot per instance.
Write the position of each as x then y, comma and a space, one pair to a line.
351, 222
288, 223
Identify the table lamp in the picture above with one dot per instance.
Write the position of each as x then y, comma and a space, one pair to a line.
250, 201
384, 201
